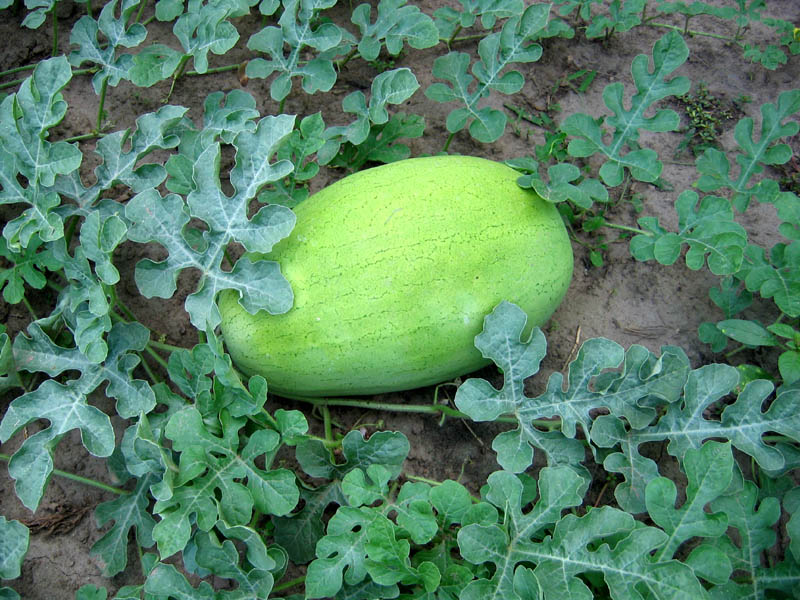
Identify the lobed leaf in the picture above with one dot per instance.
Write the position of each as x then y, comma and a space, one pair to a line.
622, 16
14, 539
387, 448
204, 28
560, 187
29, 163
776, 276
65, 406
9, 375
755, 529
127, 511
122, 160
514, 43
28, 266
577, 545
395, 23
222, 559
669, 53
708, 229
298, 29
211, 464
643, 376
164, 220
709, 471
390, 87
449, 20
116, 32
714, 167
362, 544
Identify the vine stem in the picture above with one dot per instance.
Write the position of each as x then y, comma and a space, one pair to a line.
342, 62
289, 584
55, 30
163, 346
447, 143
30, 308
626, 228
692, 32
17, 70
103, 89
80, 479
431, 409
212, 70
83, 137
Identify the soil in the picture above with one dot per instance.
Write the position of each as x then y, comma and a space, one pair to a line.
624, 300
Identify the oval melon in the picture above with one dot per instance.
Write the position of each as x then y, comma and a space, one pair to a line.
393, 270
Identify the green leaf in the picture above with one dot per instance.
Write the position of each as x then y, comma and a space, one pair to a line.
27, 267
91, 592
560, 489
387, 448
299, 29
224, 116
116, 32
381, 144
643, 376
190, 370
448, 19
730, 297
153, 64
709, 230
577, 545
789, 366
164, 581
395, 23
752, 154
709, 471
222, 559
298, 148
65, 406
743, 422
388, 559
390, 87
9, 375
609, 431
29, 163
669, 53
341, 553
497, 51
14, 538
164, 220
791, 503
127, 511
210, 464
300, 532
683, 424
750, 333
776, 277
204, 28
622, 16
756, 534
122, 160
560, 187
362, 489
39, 10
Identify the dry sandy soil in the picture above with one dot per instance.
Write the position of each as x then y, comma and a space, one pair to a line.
624, 300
